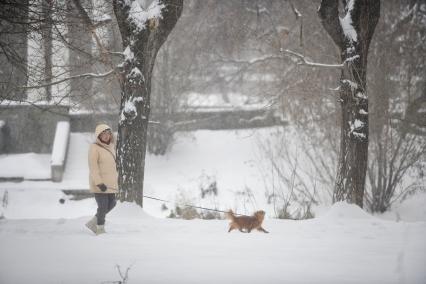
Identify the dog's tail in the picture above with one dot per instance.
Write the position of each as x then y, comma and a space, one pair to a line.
230, 215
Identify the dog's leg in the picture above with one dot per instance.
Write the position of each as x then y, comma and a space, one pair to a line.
262, 230
241, 230
232, 226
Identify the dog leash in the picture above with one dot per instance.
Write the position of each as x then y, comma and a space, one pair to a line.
192, 206
185, 205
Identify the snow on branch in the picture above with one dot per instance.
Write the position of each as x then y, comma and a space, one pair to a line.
295, 11
259, 10
139, 16
346, 22
301, 60
129, 111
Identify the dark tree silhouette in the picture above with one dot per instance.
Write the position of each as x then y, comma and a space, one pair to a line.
352, 34
143, 34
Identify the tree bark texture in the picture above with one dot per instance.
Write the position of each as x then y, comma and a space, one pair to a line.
352, 35
141, 45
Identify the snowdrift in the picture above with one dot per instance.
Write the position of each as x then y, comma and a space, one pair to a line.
344, 210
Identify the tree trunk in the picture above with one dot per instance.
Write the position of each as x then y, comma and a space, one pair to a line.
352, 34
47, 7
80, 52
141, 41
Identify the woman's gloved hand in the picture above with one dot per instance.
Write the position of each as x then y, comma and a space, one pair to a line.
102, 187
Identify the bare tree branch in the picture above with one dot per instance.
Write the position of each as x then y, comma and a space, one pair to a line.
303, 61
86, 75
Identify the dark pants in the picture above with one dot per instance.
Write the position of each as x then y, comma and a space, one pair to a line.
105, 201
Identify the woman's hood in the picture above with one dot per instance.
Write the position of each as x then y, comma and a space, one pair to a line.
99, 129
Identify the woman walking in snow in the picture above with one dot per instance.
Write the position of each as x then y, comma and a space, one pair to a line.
103, 176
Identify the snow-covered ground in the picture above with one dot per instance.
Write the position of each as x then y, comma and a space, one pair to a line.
26, 166
45, 241
345, 245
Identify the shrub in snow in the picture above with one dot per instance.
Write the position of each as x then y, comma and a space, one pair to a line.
187, 213
172, 215
186, 209
284, 214
183, 209
247, 197
210, 215
208, 185
302, 212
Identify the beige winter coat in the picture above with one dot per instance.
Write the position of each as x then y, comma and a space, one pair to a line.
102, 165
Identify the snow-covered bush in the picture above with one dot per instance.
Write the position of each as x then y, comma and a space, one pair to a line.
303, 211
395, 167
187, 208
208, 185
187, 213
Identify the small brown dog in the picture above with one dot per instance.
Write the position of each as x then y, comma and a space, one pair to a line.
246, 222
